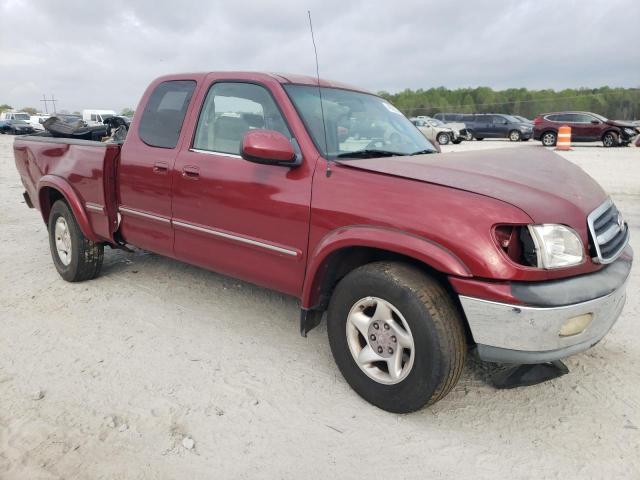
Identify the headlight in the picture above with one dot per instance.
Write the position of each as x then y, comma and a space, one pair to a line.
629, 131
556, 246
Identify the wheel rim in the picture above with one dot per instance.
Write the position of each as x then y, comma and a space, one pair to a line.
548, 139
380, 340
443, 139
63, 241
515, 136
607, 140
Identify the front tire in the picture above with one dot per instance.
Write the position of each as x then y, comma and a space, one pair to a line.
515, 136
396, 336
75, 257
609, 139
443, 138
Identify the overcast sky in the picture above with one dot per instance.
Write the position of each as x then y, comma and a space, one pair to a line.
102, 54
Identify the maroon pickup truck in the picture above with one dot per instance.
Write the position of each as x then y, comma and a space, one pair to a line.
328, 193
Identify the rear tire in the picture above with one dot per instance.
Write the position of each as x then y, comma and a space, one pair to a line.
75, 257
609, 139
549, 139
422, 314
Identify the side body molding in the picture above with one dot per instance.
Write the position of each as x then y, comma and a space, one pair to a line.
383, 238
72, 198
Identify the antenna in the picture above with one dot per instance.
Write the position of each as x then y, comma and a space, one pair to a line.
324, 124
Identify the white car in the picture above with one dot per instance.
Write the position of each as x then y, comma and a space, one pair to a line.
36, 121
97, 117
459, 128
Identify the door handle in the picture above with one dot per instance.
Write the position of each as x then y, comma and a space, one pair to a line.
161, 168
191, 172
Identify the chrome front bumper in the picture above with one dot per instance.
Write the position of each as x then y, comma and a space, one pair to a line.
516, 334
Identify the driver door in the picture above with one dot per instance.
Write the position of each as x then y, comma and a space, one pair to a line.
239, 218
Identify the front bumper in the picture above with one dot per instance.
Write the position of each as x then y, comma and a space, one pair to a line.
510, 333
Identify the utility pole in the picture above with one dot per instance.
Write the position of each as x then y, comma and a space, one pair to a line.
53, 100
44, 99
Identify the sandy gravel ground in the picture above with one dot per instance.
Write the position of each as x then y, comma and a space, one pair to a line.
115, 378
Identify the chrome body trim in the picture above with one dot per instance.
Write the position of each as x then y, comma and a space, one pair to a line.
94, 207
536, 329
209, 152
236, 238
140, 214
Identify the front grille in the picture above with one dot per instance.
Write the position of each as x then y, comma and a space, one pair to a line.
608, 231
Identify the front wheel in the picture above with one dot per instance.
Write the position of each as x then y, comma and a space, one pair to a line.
443, 138
75, 257
549, 139
396, 336
609, 139
515, 135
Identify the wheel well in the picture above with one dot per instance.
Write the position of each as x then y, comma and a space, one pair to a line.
47, 197
339, 263
611, 130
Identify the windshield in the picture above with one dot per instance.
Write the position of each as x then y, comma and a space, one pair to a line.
357, 124
22, 116
599, 117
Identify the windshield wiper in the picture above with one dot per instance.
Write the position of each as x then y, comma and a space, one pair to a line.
370, 153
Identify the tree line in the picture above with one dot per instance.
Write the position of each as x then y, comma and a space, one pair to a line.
614, 103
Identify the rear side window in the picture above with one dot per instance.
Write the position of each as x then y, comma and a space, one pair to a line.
164, 113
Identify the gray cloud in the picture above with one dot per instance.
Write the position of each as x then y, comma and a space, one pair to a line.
102, 55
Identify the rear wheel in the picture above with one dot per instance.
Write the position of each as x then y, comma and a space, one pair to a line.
75, 257
515, 135
443, 138
468, 135
549, 139
396, 336
609, 139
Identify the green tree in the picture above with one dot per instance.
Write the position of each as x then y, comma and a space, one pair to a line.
127, 112
29, 110
4, 107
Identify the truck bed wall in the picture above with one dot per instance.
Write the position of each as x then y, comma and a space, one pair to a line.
86, 167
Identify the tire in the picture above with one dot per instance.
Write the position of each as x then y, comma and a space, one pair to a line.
549, 138
479, 139
83, 258
457, 141
430, 369
526, 139
609, 139
515, 136
468, 136
443, 138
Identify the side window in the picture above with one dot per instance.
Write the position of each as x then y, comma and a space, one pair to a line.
583, 118
498, 120
230, 110
93, 117
164, 113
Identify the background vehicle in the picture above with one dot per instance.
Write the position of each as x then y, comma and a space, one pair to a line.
14, 116
97, 117
36, 121
459, 129
522, 119
436, 131
16, 127
415, 256
491, 125
585, 127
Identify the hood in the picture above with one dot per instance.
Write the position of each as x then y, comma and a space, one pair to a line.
545, 186
622, 123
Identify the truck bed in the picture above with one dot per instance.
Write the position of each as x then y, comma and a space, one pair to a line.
83, 170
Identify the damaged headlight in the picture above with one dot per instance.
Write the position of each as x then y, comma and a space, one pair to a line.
630, 131
556, 246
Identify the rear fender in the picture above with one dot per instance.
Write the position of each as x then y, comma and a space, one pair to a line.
73, 200
430, 253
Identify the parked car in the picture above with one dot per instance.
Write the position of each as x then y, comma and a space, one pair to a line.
459, 129
491, 125
14, 116
522, 119
16, 127
585, 127
36, 121
436, 131
415, 256
97, 117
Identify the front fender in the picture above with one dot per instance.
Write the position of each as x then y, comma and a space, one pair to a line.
426, 251
72, 198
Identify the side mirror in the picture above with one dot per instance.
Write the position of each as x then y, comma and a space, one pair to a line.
268, 147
